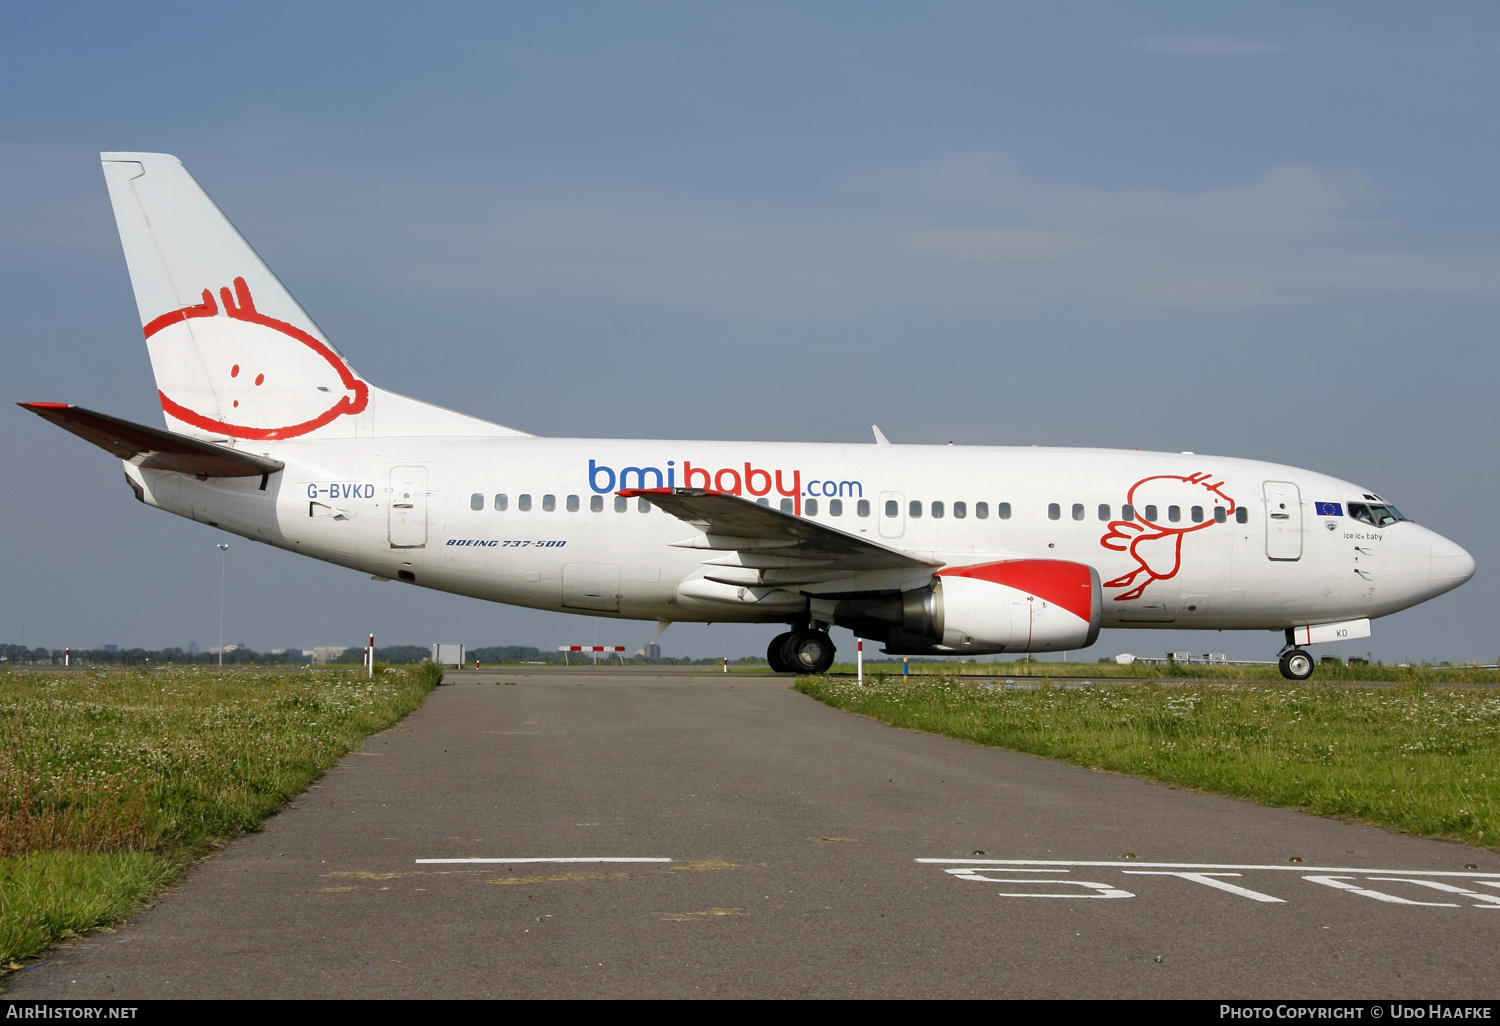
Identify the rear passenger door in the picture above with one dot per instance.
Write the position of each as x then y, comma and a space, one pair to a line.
407, 518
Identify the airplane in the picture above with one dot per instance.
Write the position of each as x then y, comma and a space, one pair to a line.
948, 550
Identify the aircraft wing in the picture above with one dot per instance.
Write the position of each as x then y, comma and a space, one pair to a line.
772, 539
153, 448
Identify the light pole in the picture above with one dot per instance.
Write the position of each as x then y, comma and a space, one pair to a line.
223, 564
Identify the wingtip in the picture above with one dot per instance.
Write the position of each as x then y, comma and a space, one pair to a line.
880, 438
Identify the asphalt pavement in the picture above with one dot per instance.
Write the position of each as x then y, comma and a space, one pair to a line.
764, 845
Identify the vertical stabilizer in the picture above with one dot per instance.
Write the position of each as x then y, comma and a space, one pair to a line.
235, 356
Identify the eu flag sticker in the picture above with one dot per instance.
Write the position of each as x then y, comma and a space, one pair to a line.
1329, 509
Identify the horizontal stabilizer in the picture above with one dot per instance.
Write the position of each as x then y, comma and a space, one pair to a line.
153, 448
732, 522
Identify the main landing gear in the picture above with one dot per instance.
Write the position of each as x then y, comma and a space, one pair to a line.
805, 650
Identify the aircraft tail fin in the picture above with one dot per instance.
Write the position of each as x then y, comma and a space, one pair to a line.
234, 354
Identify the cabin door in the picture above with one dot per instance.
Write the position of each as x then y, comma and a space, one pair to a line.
892, 514
408, 513
1283, 520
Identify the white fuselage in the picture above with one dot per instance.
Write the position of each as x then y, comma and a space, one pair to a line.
425, 510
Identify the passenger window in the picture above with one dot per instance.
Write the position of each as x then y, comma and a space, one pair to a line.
523, 503
981, 510
810, 507
1197, 513
937, 510
1150, 517
643, 505
572, 504
1127, 512
476, 502
763, 502
1242, 515
1174, 513
835, 507
1103, 511
960, 510
1077, 511
1003, 511
862, 508
914, 509
1359, 511
501, 502
1220, 515
621, 504
549, 503
596, 504
787, 506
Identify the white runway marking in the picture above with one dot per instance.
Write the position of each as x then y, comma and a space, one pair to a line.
1212, 875
1102, 890
1340, 884
583, 858
1208, 880
1205, 866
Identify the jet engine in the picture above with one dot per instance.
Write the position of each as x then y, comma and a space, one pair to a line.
1014, 605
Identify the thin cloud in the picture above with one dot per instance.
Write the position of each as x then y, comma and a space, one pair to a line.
1208, 45
995, 244
964, 232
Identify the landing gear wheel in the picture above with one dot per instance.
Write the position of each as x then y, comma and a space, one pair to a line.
808, 652
774, 656
1296, 664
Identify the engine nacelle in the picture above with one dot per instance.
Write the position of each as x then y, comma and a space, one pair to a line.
1018, 605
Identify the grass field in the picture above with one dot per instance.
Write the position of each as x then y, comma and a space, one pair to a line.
1417, 673
1419, 758
112, 781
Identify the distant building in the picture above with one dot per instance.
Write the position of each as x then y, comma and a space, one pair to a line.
326, 653
111, 648
649, 651
227, 648
192, 648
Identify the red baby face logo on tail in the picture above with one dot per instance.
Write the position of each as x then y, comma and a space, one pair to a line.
247, 375
1154, 537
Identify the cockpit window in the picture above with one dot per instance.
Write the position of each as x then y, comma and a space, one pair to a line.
1375, 516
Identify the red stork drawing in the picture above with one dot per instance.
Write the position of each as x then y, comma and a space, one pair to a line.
1155, 545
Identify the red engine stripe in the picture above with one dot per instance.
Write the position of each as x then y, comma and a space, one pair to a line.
1069, 585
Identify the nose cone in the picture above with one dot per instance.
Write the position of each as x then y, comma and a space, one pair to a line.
1451, 564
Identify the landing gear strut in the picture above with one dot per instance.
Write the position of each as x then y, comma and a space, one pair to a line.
1296, 664
807, 650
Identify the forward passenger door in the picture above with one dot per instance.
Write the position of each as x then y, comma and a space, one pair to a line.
1283, 521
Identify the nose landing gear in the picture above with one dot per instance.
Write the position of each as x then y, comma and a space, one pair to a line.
808, 650
1295, 663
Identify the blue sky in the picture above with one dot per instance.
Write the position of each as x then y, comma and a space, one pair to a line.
1257, 230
